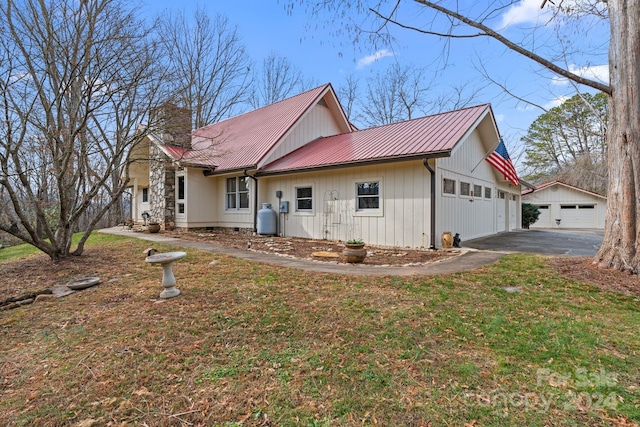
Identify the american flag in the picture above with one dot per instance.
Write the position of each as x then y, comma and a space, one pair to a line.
500, 160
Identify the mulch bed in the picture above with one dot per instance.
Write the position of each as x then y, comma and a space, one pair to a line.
305, 248
584, 270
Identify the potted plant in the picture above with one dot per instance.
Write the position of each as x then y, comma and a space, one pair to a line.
354, 251
153, 226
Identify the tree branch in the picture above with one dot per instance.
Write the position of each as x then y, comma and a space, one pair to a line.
511, 45
420, 30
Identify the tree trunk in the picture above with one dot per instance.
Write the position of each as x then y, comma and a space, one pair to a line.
621, 241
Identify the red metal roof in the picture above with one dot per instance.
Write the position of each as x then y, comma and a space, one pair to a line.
433, 134
241, 141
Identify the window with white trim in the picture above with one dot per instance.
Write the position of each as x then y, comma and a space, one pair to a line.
367, 195
487, 192
237, 193
304, 199
477, 191
145, 195
465, 189
180, 194
448, 186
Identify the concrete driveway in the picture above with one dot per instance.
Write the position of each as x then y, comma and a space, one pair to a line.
576, 243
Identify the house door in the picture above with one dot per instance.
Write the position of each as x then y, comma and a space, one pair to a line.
513, 212
501, 211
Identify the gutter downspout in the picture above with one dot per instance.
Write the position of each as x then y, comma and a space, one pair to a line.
255, 201
432, 171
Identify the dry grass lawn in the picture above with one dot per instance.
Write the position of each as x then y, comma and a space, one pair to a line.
256, 345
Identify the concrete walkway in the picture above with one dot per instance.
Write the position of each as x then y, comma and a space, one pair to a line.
469, 260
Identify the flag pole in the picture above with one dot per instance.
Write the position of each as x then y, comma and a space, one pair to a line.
486, 155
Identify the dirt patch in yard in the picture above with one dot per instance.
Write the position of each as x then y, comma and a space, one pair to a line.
37, 273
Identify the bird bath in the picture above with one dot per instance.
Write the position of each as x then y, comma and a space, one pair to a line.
168, 279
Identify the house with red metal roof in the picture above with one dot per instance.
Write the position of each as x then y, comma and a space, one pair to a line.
563, 205
299, 168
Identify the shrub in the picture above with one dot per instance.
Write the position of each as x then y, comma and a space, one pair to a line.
530, 214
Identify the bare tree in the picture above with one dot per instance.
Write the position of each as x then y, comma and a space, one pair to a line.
75, 80
400, 92
277, 80
455, 97
393, 95
210, 69
348, 95
621, 244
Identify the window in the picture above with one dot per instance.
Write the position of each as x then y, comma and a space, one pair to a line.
500, 194
567, 206
304, 199
543, 207
145, 195
231, 193
586, 207
477, 191
487, 192
514, 197
238, 192
367, 195
448, 186
180, 194
465, 188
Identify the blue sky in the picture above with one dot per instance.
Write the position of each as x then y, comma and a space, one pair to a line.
310, 44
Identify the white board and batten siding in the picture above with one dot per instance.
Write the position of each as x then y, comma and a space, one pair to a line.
573, 207
317, 122
206, 203
402, 219
472, 215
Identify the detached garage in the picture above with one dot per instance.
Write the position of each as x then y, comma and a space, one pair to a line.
566, 206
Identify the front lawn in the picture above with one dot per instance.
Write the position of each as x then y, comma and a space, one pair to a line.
252, 344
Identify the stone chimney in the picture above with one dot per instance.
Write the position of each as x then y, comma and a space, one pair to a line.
172, 124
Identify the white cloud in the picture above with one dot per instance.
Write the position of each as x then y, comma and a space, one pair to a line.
527, 11
559, 81
598, 72
500, 118
594, 72
555, 102
368, 60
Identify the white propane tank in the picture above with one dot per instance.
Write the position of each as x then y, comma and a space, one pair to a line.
267, 220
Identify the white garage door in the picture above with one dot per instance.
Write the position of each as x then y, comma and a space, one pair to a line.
577, 216
544, 220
